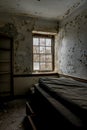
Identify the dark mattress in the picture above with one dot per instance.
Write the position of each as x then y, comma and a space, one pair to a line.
70, 93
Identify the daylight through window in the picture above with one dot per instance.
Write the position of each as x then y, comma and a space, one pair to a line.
42, 53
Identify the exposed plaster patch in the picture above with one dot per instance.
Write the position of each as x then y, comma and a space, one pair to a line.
9, 29
20, 28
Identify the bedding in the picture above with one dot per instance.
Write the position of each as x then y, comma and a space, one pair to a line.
69, 118
71, 94
72, 90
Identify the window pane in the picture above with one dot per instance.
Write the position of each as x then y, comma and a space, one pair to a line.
48, 42
48, 49
48, 58
36, 58
35, 49
42, 49
48, 66
42, 54
36, 65
42, 58
42, 66
35, 41
42, 42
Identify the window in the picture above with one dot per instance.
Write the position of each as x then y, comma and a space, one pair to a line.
42, 53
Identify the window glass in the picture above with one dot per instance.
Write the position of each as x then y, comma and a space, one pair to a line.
35, 49
42, 58
42, 66
36, 57
48, 42
48, 66
42, 49
48, 58
36, 65
48, 50
35, 41
42, 54
42, 41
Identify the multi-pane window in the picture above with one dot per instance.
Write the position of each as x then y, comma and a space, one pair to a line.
42, 53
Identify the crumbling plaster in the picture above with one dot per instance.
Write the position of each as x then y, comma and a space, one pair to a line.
20, 28
72, 40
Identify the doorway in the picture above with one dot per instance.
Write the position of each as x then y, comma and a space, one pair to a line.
6, 70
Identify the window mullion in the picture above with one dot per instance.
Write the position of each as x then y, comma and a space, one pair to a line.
39, 53
45, 54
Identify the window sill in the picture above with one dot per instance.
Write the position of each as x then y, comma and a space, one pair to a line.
37, 74
44, 73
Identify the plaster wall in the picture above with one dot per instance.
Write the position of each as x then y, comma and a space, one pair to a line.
23, 84
20, 28
72, 44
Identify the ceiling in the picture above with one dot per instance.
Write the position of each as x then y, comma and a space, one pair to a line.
52, 9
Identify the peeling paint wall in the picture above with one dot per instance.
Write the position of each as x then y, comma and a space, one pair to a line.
72, 40
23, 47
20, 28
21, 31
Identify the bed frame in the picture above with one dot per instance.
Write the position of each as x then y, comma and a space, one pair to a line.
48, 110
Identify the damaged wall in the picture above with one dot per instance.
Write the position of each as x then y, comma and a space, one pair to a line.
72, 40
20, 28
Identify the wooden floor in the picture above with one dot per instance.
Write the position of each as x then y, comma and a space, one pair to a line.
12, 115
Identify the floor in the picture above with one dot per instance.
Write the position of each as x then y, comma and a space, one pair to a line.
12, 115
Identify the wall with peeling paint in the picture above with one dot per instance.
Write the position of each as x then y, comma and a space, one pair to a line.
72, 40
20, 28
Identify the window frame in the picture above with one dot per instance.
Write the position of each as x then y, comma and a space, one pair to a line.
34, 35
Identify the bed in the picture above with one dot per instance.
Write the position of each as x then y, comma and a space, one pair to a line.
67, 96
